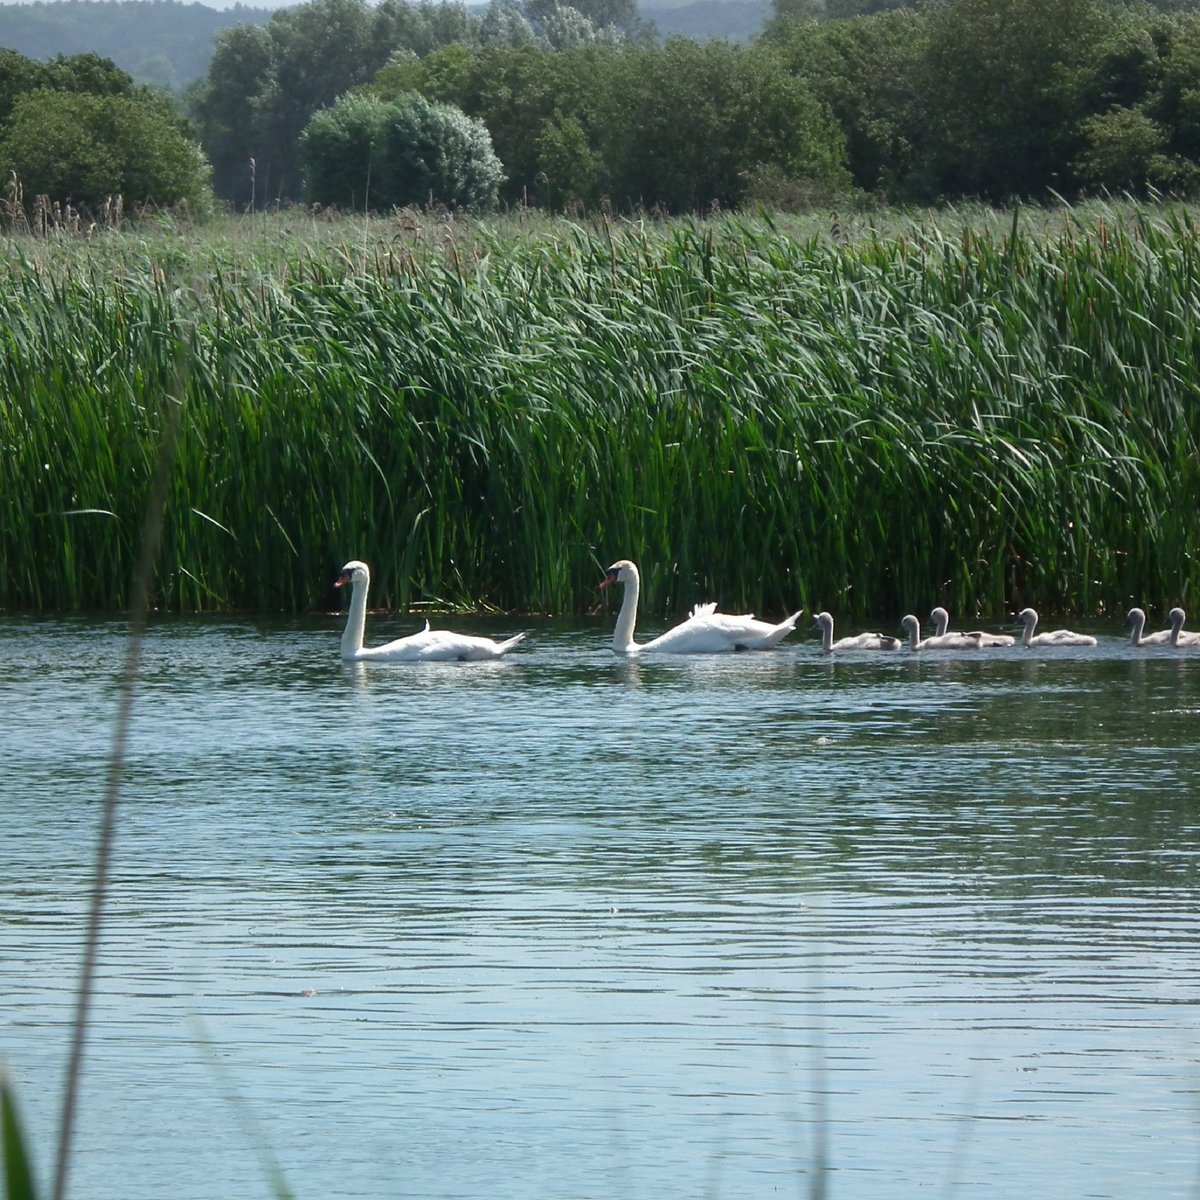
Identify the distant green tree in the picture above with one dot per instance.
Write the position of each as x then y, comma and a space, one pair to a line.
86, 73
1143, 131
422, 28
1123, 151
342, 148
867, 72
680, 127
435, 152
89, 73
367, 152
1176, 103
1128, 66
570, 171
505, 25
448, 74
621, 15
687, 123
523, 96
18, 75
320, 50
567, 28
225, 107
264, 86
1006, 86
450, 23
84, 149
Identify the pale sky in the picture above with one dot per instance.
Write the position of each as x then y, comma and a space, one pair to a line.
207, 3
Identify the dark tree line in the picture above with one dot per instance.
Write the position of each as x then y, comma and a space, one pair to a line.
680, 127
999, 99
266, 82
991, 99
838, 10
988, 99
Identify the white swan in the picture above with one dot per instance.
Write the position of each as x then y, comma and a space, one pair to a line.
1056, 637
706, 631
430, 645
862, 641
1137, 618
1178, 636
941, 622
946, 641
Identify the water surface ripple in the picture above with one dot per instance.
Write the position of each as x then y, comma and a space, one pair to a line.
567, 926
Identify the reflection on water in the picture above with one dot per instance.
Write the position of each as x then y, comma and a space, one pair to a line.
565, 925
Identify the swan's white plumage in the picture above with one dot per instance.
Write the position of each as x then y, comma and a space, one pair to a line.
1054, 637
1137, 619
430, 645
861, 641
945, 641
941, 623
705, 631
1177, 635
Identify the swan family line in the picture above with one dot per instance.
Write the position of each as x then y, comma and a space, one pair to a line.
707, 631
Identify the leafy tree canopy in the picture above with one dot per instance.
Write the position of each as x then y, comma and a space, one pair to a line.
85, 148
77, 73
997, 99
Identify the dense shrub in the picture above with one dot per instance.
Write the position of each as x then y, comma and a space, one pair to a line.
81, 148
1123, 151
364, 152
341, 148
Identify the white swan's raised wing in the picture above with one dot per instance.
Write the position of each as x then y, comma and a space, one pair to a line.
706, 631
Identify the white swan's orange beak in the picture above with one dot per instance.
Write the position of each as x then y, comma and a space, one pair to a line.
344, 577
609, 580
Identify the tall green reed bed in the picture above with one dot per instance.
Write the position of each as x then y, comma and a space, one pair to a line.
978, 414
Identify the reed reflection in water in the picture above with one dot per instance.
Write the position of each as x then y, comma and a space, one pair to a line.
570, 926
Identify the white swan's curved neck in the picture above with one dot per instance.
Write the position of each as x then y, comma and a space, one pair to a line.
623, 634
352, 635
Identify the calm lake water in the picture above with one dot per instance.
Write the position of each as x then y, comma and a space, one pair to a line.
568, 927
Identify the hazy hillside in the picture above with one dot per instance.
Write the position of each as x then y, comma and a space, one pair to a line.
157, 41
737, 20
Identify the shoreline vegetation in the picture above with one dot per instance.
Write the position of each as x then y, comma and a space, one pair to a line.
866, 411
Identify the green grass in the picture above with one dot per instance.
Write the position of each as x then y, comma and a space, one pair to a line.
866, 412
14, 1147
